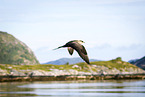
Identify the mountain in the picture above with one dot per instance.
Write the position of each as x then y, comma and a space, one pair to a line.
133, 61
68, 61
140, 63
13, 51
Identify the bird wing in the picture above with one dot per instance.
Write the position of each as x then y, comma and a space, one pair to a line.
84, 57
70, 50
81, 51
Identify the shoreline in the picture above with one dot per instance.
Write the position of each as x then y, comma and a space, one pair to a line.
11, 78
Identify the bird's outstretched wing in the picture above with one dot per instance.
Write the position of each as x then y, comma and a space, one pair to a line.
70, 50
83, 54
81, 51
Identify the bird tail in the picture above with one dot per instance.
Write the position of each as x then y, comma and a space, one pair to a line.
58, 48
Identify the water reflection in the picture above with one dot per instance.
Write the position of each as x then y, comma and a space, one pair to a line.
108, 88
10, 89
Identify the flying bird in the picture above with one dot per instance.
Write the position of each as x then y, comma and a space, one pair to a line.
76, 45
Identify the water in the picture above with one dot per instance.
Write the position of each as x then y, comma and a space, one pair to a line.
108, 88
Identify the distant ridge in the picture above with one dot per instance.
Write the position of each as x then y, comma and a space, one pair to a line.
68, 60
139, 62
133, 61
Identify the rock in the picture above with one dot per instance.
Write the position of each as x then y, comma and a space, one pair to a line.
16, 73
3, 72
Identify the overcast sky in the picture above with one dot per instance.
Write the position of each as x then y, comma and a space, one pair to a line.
110, 28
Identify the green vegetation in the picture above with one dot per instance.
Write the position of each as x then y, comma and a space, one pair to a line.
112, 66
115, 63
13, 51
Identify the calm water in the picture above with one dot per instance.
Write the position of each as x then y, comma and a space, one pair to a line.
110, 88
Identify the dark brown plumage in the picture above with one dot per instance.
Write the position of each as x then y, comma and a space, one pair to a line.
76, 45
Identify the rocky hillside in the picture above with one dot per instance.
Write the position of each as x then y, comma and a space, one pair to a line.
116, 66
140, 63
13, 51
133, 61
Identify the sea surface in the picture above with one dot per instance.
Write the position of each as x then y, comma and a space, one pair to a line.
83, 88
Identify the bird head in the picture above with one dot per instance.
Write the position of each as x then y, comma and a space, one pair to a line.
80, 41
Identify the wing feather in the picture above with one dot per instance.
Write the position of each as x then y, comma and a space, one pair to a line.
84, 57
81, 51
70, 50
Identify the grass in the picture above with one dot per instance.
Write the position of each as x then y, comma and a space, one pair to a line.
112, 64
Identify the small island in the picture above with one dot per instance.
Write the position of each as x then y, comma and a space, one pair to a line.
101, 70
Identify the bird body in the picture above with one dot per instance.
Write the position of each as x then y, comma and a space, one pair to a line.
77, 45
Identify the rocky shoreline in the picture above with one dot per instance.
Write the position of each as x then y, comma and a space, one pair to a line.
10, 78
113, 69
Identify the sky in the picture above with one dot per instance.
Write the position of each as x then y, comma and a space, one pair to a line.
110, 28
